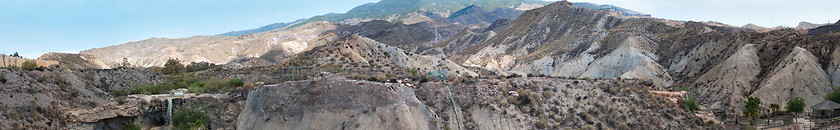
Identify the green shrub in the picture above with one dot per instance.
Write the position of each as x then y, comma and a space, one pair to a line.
690, 103
30, 65
413, 72
236, 83
3, 78
188, 118
796, 105
214, 84
833, 96
130, 126
196, 89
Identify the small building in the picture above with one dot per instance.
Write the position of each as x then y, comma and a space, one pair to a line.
826, 109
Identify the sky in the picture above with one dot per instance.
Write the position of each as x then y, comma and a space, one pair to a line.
34, 27
766, 13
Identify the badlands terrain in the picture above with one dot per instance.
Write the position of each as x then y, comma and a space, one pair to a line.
509, 64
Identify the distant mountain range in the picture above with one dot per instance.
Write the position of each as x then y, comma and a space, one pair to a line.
260, 29
414, 11
625, 12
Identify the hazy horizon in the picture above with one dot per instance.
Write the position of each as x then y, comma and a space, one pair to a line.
35, 27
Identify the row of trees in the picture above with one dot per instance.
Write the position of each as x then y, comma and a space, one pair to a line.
752, 109
174, 66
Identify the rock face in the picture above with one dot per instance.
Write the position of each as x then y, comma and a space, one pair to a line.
731, 81
333, 102
560, 40
798, 75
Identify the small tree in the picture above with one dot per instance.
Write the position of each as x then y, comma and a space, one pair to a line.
833, 96
751, 108
774, 108
690, 103
796, 105
16, 55
173, 66
125, 63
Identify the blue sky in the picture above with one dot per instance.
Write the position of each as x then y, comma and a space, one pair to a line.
767, 13
34, 27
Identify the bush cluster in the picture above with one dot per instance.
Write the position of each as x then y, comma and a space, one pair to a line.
188, 82
189, 118
690, 103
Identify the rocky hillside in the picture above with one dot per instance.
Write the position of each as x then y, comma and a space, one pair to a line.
211, 49
825, 29
478, 17
44, 99
560, 40
355, 52
265, 28
332, 102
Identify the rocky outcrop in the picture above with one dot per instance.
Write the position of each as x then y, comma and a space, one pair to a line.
333, 102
